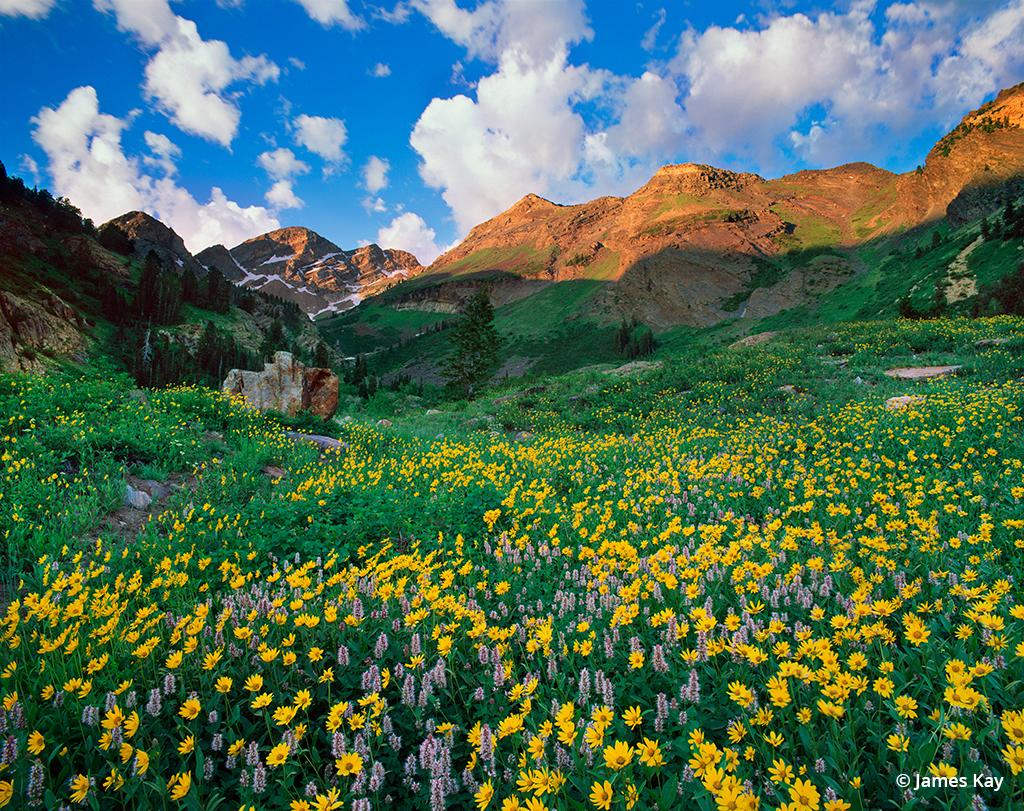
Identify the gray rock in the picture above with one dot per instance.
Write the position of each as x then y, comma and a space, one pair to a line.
140, 395
156, 490
136, 499
323, 442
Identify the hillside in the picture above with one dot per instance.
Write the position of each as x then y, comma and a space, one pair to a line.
127, 295
772, 559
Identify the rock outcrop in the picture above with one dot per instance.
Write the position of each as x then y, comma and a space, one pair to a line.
29, 327
288, 386
219, 258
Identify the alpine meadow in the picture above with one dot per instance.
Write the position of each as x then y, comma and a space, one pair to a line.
700, 490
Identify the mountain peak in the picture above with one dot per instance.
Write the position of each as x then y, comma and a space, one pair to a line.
149, 234
533, 201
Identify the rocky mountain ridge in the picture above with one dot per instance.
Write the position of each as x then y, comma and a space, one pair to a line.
695, 239
299, 265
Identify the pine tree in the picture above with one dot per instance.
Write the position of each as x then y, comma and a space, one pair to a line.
475, 347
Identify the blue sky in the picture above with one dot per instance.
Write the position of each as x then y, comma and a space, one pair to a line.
407, 123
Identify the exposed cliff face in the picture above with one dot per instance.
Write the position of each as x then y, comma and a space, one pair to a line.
32, 326
966, 171
674, 251
299, 265
149, 234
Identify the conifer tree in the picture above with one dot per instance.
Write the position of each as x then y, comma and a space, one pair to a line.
476, 345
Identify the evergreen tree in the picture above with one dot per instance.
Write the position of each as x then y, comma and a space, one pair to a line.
273, 341
218, 292
322, 356
158, 300
476, 344
114, 239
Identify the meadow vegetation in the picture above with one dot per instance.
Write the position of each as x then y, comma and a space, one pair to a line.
687, 590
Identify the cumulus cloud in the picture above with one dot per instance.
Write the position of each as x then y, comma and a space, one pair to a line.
282, 164
380, 70
332, 12
321, 136
283, 167
521, 134
33, 9
165, 152
829, 84
89, 166
375, 174
375, 177
282, 195
188, 76
537, 30
409, 232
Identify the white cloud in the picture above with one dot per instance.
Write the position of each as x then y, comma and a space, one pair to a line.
165, 152
321, 136
649, 42
749, 90
152, 21
409, 232
281, 164
537, 30
88, 165
28, 164
331, 12
380, 70
33, 9
520, 135
282, 195
188, 76
375, 174
650, 121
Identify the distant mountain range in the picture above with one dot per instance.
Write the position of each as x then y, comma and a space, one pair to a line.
295, 264
693, 246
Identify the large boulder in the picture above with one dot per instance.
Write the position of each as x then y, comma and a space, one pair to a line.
288, 386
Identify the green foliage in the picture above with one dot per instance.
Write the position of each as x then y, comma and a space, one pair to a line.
475, 347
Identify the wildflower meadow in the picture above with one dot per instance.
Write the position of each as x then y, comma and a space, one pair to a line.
680, 598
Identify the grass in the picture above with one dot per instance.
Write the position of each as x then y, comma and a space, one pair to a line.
521, 260
545, 313
861, 221
809, 231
